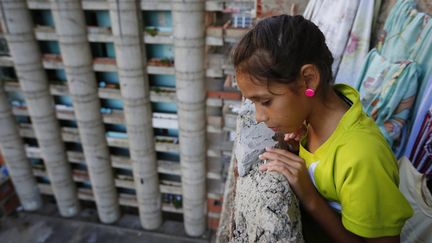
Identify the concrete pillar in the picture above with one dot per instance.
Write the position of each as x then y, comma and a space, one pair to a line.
188, 21
33, 80
131, 59
14, 154
71, 30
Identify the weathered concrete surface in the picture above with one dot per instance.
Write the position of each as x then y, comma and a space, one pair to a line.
252, 138
43, 228
33, 81
189, 43
135, 91
258, 206
266, 209
71, 30
12, 148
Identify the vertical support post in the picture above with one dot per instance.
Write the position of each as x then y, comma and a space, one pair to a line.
131, 59
14, 154
34, 84
71, 30
189, 42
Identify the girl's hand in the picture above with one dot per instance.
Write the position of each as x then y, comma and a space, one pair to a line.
294, 169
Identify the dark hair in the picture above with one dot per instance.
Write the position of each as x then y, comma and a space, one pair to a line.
277, 47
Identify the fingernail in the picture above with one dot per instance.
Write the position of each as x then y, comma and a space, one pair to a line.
268, 148
260, 156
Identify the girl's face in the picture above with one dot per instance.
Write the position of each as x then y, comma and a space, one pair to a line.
281, 109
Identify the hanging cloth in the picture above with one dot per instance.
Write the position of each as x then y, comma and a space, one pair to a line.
358, 44
387, 92
335, 19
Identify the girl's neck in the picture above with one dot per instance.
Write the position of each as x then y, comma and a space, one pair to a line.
324, 119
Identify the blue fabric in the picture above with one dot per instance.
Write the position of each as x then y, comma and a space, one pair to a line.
408, 35
387, 92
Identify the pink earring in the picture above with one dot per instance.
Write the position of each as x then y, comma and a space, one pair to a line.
309, 92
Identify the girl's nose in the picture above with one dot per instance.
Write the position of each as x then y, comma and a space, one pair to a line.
260, 116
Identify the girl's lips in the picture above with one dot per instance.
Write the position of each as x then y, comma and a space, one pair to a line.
275, 129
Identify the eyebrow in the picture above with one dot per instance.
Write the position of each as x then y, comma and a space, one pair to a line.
257, 97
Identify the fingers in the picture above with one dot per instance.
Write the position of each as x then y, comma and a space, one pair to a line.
290, 164
292, 136
272, 153
281, 168
275, 165
289, 136
297, 135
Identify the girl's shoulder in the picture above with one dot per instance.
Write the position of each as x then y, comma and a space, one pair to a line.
365, 147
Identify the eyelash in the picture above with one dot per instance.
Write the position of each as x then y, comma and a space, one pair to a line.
266, 103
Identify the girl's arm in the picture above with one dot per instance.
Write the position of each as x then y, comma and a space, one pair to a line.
294, 169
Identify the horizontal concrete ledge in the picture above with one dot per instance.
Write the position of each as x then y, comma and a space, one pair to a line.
214, 190
210, 5
124, 199
69, 134
105, 64
104, 35
52, 61
157, 94
214, 165
120, 139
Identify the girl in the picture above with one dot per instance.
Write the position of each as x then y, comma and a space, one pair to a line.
345, 175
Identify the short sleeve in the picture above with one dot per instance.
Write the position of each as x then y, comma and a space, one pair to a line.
367, 186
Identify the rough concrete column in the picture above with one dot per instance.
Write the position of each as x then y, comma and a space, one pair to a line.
34, 84
131, 59
258, 206
14, 154
71, 29
188, 21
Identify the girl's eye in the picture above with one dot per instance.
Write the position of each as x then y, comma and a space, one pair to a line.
266, 102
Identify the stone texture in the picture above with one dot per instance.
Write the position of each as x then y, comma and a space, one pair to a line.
252, 138
266, 210
262, 206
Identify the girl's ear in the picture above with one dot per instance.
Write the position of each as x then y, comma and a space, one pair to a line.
310, 75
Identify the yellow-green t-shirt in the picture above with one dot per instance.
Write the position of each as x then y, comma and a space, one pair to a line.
356, 171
